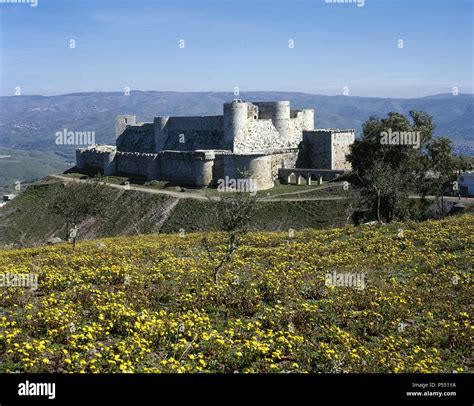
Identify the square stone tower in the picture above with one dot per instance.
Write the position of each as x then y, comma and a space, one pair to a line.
328, 148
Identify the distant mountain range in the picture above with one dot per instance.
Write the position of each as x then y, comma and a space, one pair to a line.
30, 122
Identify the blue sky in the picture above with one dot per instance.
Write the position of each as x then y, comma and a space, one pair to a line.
240, 43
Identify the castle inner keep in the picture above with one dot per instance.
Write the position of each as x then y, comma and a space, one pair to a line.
250, 140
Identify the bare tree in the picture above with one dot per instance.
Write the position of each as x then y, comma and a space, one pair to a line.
351, 201
232, 214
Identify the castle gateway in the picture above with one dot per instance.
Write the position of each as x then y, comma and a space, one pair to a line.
254, 140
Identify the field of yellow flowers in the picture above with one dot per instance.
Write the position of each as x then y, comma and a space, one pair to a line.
150, 303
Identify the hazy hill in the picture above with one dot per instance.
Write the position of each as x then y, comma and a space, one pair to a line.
30, 122
27, 166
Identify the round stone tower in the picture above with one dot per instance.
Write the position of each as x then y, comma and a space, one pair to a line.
203, 163
281, 120
308, 119
159, 124
279, 113
235, 124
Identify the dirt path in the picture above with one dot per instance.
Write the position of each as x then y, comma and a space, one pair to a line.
179, 195
166, 213
275, 198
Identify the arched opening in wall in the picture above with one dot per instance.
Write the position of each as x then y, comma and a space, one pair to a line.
304, 179
291, 178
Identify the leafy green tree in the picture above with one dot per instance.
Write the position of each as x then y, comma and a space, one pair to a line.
387, 174
441, 166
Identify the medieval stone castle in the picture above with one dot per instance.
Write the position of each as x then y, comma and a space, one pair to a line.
261, 140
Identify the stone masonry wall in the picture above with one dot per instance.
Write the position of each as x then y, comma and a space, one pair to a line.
317, 145
132, 163
178, 134
327, 149
283, 160
258, 166
98, 157
274, 127
177, 167
191, 133
341, 142
137, 139
91, 159
262, 135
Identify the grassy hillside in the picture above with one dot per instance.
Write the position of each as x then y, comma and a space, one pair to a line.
195, 215
131, 212
125, 213
150, 303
